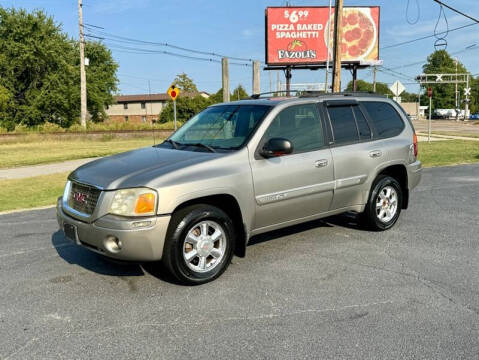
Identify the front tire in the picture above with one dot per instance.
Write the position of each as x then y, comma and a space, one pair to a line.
199, 244
384, 204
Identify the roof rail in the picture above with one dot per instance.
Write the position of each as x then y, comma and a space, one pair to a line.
277, 93
314, 93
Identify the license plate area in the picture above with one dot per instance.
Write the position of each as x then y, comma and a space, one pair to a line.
70, 232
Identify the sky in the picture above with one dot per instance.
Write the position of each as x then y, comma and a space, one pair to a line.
236, 29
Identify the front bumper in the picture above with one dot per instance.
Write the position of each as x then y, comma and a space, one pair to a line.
138, 243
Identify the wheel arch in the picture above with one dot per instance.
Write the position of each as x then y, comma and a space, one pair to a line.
230, 205
398, 172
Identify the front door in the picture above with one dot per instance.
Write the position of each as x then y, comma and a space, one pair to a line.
297, 185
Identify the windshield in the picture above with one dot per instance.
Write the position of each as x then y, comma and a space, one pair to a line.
222, 126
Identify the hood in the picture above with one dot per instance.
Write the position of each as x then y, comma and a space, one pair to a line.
137, 168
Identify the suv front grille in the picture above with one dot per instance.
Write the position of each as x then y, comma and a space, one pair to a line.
83, 198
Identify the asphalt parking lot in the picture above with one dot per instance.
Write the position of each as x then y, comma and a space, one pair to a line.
322, 290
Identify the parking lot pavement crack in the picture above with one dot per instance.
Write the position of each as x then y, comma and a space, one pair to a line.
428, 283
24, 346
177, 322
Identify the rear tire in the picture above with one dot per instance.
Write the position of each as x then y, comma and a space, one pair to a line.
384, 204
199, 244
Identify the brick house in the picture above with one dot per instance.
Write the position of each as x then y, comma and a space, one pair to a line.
140, 108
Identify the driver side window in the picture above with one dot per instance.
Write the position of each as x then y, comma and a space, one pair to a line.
301, 125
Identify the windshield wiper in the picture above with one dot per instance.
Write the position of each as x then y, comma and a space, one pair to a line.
203, 146
173, 143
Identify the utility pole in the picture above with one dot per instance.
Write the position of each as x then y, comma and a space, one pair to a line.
466, 106
278, 82
338, 12
288, 75
329, 50
225, 79
82, 67
455, 94
256, 79
270, 81
374, 79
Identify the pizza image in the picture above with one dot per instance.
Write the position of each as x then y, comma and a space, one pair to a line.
358, 36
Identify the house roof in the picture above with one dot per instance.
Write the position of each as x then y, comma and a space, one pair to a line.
149, 97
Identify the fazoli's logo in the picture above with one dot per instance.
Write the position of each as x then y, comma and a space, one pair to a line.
296, 50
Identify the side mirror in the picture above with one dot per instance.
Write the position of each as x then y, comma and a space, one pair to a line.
276, 147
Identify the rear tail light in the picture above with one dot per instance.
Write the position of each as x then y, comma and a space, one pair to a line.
414, 142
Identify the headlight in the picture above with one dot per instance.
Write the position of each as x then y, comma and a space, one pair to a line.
134, 202
66, 192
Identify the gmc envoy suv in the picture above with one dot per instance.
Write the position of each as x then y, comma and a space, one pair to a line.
239, 169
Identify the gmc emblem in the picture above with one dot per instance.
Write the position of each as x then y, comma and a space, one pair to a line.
80, 197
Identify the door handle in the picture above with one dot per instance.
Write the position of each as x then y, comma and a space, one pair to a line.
321, 163
375, 153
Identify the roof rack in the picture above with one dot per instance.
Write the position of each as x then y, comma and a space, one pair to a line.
312, 93
274, 93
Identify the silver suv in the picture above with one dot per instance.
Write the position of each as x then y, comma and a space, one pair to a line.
240, 169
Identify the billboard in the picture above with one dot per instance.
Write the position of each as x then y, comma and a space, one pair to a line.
299, 35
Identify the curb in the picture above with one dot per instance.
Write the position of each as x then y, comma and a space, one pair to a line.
27, 209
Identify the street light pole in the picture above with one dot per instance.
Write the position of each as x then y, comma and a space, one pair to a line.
82, 67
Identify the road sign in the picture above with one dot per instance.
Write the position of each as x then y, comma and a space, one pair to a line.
173, 92
397, 88
467, 91
429, 91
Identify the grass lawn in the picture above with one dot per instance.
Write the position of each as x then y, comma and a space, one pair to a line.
31, 192
455, 133
449, 152
55, 150
44, 190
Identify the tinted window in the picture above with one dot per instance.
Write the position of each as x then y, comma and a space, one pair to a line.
301, 125
221, 126
385, 118
363, 127
344, 126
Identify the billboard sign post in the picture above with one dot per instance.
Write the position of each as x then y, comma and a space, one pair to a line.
300, 35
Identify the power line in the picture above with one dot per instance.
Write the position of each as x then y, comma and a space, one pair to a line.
468, 48
456, 11
426, 37
146, 51
164, 44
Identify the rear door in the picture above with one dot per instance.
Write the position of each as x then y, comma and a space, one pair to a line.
297, 185
354, 153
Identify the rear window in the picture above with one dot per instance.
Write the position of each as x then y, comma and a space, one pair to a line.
385, 118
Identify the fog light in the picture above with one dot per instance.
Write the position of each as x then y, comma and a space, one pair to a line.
138, 224
113, 244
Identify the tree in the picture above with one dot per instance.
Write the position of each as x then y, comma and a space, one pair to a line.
382, 89
39, 70
186, 108
443, 95
185, 83
239, 93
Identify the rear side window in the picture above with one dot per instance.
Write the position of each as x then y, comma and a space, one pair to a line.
385, 118
344, 126
363, 127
